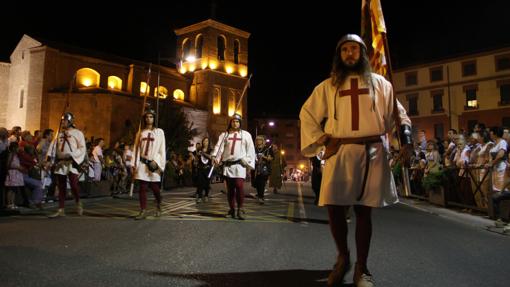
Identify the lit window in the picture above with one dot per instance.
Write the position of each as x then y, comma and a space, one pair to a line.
179, 94
87, 77
144, 88
162, 91
114, 83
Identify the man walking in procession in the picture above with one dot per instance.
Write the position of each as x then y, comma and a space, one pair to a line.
359, 106
149, 162
68, 152
236, 151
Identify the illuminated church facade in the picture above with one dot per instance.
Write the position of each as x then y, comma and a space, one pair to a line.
105, 91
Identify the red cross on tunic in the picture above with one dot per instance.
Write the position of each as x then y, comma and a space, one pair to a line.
354, 92
233, 139
149, 140
65, 139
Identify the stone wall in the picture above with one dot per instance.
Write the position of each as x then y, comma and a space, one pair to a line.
4, 92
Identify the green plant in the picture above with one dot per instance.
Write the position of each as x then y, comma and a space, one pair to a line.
433, 180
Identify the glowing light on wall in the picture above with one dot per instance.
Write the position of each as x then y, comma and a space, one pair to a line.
231, 105
213, 64
87, 77
282, 152
114, 83
229, 69
178, 94
243, 71
192, 67
217, 103
204, 63
182, 70
144, 88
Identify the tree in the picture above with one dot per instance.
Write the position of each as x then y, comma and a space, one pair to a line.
178, 131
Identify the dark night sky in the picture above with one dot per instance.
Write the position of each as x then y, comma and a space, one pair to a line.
291, 46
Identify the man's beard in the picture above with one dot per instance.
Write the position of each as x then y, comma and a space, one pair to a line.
354, 68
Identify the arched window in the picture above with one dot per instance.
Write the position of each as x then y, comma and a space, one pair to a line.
186, 48
162, 91
222, 44
179, 94
144, 88
236, 51
199, 44
114, 83
86, 78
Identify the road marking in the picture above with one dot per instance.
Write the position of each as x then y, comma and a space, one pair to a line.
302, 212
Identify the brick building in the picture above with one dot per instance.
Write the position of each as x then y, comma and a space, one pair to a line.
105, 91
457, 92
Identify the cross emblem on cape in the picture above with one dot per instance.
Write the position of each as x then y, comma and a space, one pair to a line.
234, 139
65, 139
354, 93
149, 140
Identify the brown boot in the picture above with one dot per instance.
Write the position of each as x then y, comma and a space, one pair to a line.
362, 277
342, 266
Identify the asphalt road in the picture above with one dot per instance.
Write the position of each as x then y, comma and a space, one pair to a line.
285, 242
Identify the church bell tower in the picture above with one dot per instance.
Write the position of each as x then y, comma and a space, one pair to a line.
215, 56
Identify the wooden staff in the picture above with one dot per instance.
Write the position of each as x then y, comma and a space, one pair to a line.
139, 132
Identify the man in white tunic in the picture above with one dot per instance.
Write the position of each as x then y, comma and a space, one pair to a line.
68, 152
149, 159
359, 107
236, 151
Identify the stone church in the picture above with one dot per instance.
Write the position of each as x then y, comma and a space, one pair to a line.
106, 92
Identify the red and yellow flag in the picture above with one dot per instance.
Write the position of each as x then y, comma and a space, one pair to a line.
373, 32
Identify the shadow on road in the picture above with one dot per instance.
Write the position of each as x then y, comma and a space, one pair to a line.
310, 220
280, 278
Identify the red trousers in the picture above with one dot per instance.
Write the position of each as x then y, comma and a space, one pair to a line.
143, 192
62, 188
235, 192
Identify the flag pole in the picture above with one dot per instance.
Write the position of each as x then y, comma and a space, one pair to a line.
405, 171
